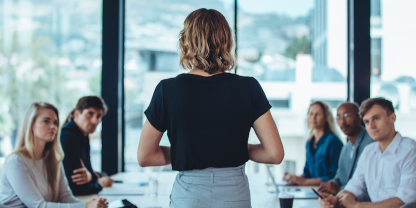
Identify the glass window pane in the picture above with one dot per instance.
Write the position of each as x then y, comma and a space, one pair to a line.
393, 69
50, 51
297, 51
151, 40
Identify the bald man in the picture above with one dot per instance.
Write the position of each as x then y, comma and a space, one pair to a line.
349, 121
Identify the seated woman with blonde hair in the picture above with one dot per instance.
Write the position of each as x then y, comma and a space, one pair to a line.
322, 149
33, 175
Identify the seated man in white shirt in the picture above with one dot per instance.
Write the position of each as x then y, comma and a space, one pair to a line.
386, 168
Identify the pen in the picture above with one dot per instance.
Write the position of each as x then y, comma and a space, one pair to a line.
317, 194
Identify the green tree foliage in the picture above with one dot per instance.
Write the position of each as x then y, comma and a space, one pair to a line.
298, 45
39, 64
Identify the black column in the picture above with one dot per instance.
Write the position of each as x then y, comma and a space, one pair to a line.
359, 50
235, 33
112, 91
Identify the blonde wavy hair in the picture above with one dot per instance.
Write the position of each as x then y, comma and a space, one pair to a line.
206, 42
52, 154
329, 117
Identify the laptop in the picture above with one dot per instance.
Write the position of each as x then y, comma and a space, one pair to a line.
296, 192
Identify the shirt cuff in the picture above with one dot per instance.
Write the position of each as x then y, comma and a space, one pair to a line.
336, 181
357, 192
407, 197
154, 122
262, 111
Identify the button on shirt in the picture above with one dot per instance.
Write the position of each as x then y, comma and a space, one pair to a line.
386, 174
322, 160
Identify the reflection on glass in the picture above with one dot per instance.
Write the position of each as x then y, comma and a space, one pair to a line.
393, 69
151, 39
49, 51
297, 51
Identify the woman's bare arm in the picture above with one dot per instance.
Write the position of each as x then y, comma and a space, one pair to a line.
149, 152
270, 150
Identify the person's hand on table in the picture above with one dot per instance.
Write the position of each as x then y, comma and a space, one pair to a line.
97, 202
81, 175
329, 187
347, 200
330, 201
294, 179
105, 181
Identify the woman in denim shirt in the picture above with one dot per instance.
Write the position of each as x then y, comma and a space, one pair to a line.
322, 149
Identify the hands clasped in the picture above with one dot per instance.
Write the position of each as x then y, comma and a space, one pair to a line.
342, 199
97, 202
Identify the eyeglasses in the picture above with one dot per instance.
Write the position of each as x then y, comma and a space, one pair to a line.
346, 115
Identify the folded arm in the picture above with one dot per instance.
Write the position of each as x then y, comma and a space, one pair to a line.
18, 175
72, 162
348, 200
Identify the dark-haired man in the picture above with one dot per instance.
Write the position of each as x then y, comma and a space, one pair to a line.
348, 119
82, 121
386, 168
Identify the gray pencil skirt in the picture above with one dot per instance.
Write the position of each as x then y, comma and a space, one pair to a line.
211, 187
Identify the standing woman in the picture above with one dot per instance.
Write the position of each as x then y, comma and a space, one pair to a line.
322, 149
33, 175
208, 114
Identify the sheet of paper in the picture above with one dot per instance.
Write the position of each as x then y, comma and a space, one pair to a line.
121, 191
115, 204
122, 185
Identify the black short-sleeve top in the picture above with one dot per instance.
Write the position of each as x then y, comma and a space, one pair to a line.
207, 119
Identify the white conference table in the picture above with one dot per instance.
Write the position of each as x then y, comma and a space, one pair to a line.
260, 197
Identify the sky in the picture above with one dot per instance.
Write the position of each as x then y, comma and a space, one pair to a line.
292, 8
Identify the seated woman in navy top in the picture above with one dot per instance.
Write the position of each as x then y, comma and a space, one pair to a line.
322, 149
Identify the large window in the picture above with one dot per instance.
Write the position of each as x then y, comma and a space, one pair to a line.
50, 51
393, 67
151, 39
297, 51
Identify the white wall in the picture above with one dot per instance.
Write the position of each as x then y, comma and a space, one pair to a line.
337, 35
398, 38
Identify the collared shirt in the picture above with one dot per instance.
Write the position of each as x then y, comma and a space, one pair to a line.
76, 146
349, 157
386, 174
322, 160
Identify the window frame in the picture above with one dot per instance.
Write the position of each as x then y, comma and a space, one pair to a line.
113, 131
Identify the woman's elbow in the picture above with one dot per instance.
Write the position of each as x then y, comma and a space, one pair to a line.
278, 157
143, 163
141, 158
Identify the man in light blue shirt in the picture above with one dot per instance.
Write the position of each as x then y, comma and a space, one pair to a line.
350, 123
386, 168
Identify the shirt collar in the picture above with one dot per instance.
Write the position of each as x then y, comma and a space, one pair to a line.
322, 139
360, 137
392, 146
74, 127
